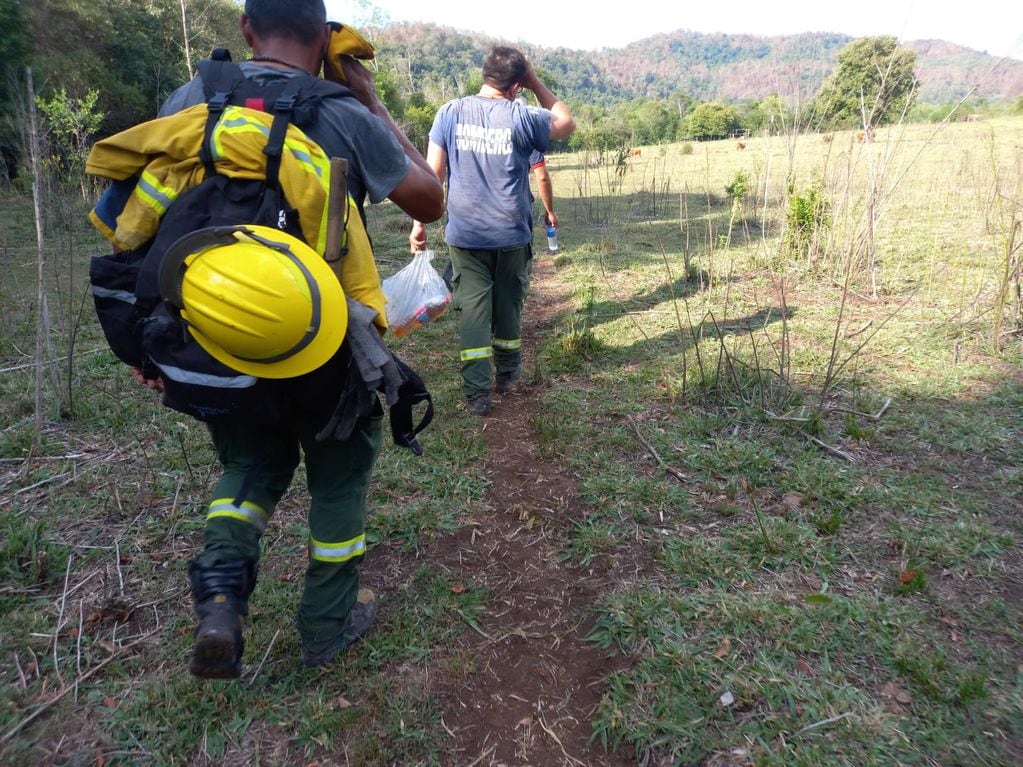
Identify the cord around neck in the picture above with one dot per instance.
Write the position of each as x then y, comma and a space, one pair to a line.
272, 60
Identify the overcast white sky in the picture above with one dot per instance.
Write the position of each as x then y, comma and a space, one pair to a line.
995, 26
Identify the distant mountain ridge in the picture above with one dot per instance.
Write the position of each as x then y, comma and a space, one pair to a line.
706, 67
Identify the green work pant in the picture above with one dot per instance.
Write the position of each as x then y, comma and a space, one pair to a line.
489, 290
338, 478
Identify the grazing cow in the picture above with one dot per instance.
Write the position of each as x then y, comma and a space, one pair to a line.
740, 145
635, 152
864, 137
827, 138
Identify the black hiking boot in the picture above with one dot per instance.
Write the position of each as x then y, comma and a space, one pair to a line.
479, 404
358, 622
221, 593
505, 382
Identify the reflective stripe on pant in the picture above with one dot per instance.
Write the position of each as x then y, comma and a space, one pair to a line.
490, 288
338, 478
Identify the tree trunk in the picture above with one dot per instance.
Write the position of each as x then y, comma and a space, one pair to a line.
188, 47
45, 357
42, 318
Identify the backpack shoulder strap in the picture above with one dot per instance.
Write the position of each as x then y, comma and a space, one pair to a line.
283, 111
220, 78
314, 90
325, 88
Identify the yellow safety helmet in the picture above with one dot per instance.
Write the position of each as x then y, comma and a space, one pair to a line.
256, 298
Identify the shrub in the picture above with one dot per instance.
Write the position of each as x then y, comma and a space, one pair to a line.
808, 219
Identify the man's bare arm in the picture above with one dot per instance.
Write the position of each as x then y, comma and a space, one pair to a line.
437, 160
419, 193
562, 122
546, 191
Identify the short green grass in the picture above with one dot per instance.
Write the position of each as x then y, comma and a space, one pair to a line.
824, 579
807, 496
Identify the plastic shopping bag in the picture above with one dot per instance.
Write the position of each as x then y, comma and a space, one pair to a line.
415, 295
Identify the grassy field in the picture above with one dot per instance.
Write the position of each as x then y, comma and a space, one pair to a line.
796, 440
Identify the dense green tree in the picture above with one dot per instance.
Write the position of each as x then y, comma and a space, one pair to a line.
713, 120
699, 66
389, 89
681, 103
778, 118
653, 122
593, 138
14, 35
770, 115
588, 133
417, 122
132, 53
471, 84
618, 125
14, 42
751, 117
874, 84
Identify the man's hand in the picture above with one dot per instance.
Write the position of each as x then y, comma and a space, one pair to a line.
156, 384
562, 122
360, 79
552, 219
417, 239
529, 79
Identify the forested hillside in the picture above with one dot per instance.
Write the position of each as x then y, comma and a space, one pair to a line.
705, 67
102, 65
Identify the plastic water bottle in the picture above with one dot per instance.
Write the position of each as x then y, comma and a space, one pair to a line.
552, 237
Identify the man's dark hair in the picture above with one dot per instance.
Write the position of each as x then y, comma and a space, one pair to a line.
301, 20
503, 67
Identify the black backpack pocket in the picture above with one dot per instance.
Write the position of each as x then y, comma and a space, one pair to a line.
113, 278
197, 384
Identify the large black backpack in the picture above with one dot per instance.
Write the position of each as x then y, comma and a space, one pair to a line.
144, 330
147, 332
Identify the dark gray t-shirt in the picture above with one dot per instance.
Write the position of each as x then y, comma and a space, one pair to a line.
344, 128
489, 143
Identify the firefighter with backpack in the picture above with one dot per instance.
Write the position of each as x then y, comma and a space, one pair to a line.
261, 303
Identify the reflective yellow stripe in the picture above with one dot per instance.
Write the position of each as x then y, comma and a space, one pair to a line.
477, 354
235, 120
503, 343
153, 194
319, 167
247, 512
337, 552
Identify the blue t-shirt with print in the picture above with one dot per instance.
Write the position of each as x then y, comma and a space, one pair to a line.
489, 143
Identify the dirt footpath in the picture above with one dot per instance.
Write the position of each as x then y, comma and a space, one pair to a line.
532, 693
